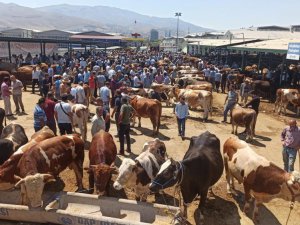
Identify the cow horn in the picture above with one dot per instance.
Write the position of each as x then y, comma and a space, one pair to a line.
19, 183
48, 177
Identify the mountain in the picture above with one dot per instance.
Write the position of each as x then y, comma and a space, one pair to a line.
15, 16
85, 18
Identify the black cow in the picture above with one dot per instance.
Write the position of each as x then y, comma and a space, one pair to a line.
2, 117
13, 137
201, 167
262, 88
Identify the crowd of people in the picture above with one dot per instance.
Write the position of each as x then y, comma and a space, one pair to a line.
107, 77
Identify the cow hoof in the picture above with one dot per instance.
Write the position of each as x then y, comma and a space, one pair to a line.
140, 125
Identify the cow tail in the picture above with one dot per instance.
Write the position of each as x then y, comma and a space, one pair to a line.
5, 120
159, 115
211, 105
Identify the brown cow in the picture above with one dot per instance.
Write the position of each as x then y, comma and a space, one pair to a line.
261, 178
8, 169
286, 96
102, 154
147, 108
202, 86
244, 117
44, 161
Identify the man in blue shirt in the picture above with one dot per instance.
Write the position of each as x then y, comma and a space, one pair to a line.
182, 112
39, 115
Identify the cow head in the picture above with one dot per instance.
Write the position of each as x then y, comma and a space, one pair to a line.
32, 187
126, 173
102, 175
157, 148
294, 182
167, 176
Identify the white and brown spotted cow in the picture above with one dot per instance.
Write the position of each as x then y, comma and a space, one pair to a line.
286, 96
138, 173
196, 98
44, 161
80, 118
261, 178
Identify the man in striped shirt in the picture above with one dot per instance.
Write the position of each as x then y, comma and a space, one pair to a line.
40, 118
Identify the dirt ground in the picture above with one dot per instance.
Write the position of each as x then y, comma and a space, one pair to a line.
220, 208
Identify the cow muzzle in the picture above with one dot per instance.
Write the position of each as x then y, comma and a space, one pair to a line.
117, 186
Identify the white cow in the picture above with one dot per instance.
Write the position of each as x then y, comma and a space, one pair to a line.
80, 118
139, 173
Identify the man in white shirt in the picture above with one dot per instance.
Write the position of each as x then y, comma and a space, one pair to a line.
80, 95
17, 93
98, 122
64, 116
82, 63
105, 95
35, 78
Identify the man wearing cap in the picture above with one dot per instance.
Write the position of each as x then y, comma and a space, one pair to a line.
39, 115
6, 96
231, 99
290, 138
244, 91
126, 113
17, 93
104, 94
49, 110
63, 115
117, 108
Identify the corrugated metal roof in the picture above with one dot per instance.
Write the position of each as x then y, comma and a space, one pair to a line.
97, 37
274, 46
213, 42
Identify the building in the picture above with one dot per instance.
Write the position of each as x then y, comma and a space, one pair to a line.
102, 40
169, 44
295, 28
153, 35
273, 28
53, 34
17, 33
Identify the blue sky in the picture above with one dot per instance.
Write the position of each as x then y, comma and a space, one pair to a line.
216, 14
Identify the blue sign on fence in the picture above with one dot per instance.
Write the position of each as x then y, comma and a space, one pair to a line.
293, 51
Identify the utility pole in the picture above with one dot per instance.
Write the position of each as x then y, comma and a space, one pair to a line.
178, 14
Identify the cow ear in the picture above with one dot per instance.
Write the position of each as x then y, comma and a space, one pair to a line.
17, 185
114, 170
48, 178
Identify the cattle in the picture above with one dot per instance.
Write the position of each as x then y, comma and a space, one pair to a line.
244, 117
138, 173
261, 178
2, 118
201, 167
203, 86
147, 108
12, 137
286, 96
24, 74
262, 88
9, 168
44, 161
80, 118
102, 154
196, 98
9, 67
88, 94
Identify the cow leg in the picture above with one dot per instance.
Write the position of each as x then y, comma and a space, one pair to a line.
91, 183
228, 175
232, 128
79, 175
203, 198
247, 198
236, 130
140, 121
154, 125
255, 211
